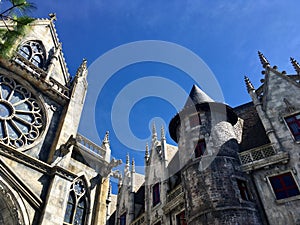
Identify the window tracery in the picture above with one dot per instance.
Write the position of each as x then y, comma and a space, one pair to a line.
77, 204
34, 52
21, 114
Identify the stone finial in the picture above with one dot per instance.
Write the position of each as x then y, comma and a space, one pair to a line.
127, 160
52, 16
154, 134
81, 71
133, 165
106, 138
263, 60
147, 152
162, 133
295, 65
249, 85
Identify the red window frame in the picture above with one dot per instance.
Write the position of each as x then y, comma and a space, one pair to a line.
155, 194
284, 186
195, 120
293, 123
244, 192
200, 148
180, 219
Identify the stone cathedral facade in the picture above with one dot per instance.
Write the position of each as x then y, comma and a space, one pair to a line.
49, 173
232, 165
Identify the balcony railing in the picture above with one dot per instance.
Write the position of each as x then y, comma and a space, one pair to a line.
139, 221
174, 193
257, 154
90, 145
262, 156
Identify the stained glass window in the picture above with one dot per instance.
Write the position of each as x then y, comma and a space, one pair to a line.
77, 204
21, 114
34, 52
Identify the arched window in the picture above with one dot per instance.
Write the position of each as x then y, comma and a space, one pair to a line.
77, 204
34, 52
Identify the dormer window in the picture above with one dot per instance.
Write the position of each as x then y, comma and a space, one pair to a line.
194, 120
34, 52
155, 194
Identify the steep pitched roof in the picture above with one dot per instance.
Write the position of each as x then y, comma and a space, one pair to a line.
253, 132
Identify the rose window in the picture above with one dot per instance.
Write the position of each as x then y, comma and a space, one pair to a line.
21, 114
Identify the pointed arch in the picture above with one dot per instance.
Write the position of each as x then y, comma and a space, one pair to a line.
78, 203
12, 207
34, 51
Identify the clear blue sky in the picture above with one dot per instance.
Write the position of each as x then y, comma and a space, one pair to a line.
225, 34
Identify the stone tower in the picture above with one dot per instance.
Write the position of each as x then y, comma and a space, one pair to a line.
216, 190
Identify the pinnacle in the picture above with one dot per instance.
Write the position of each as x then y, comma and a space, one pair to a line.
295, 65
249, 85
263, 60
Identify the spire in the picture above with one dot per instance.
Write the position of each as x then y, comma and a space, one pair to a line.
154, 134
295, 65
162, 133
249, 85
132, 165
263, 60
197, 96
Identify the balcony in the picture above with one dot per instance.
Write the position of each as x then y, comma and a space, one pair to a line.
139, 221
261, 157
85, 143
174, 199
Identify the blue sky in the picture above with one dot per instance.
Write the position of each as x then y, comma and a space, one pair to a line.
226, 35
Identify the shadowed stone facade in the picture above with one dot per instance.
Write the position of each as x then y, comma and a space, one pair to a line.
232, 165
49, 173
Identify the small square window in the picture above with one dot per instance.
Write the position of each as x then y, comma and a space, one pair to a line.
284, 186
243, 188
200, 148
180, 219
293, 123
156, 194
194, 120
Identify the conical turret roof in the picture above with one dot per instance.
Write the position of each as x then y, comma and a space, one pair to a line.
199, 101
197, 96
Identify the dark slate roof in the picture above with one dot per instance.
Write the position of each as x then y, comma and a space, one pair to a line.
253, 133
